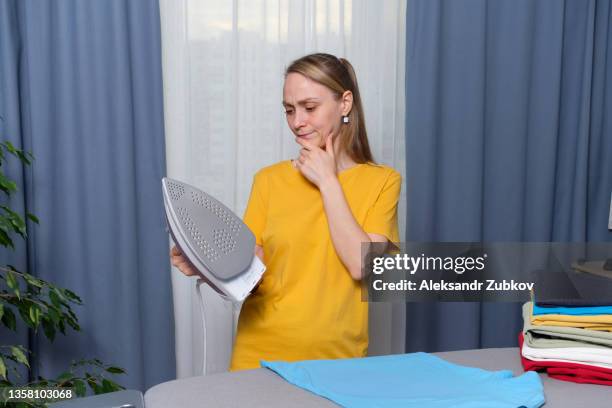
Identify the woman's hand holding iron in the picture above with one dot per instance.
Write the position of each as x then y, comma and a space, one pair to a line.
182, 263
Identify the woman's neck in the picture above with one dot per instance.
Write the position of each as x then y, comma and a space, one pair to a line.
344, 162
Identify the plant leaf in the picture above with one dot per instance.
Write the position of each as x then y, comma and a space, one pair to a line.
73, 323
19, 355
16, 223
33, 281
5, 240
9, 146
49, 329
115, 370
54, 315
2, 368
72, 315
55, 299
79, 388
65, 376
6, 185
9, 319
24, 157
108, 386
24, 312
33, 218
72, 296
91, 381
35, 314
11, 281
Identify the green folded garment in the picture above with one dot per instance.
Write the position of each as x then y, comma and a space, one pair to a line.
559, 336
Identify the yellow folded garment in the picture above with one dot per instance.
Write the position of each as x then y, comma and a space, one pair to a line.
591, 322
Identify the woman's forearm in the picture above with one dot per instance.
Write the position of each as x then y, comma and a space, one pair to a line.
346, 234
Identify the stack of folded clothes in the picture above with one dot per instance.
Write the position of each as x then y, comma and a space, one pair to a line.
571, 343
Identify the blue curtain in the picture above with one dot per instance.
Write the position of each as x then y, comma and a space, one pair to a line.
508, 138
85, 97
10, 130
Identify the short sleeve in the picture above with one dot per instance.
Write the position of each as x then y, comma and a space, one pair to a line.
256, 210
382, 216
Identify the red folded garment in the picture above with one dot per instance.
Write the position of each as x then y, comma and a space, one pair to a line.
580, 380
574, 372
582, 372
578, 375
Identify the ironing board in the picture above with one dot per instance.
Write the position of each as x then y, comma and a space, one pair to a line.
263, 388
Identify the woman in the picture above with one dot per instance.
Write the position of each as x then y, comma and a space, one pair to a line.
310, 217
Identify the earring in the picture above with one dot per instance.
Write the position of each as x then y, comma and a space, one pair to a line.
345, 119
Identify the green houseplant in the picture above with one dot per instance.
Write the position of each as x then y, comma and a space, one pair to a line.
26, 299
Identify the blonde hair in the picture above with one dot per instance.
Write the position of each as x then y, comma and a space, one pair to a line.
338, 75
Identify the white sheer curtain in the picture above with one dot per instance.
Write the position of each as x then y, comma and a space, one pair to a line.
223, 64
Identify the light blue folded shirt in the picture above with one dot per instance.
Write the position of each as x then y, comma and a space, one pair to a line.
574, 310
418, 380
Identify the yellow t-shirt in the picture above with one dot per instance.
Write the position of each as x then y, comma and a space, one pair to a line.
307, 305
601, 322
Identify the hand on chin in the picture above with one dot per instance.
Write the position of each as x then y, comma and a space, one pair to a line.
316, 163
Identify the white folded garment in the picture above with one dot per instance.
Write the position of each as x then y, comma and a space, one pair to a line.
580, 355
